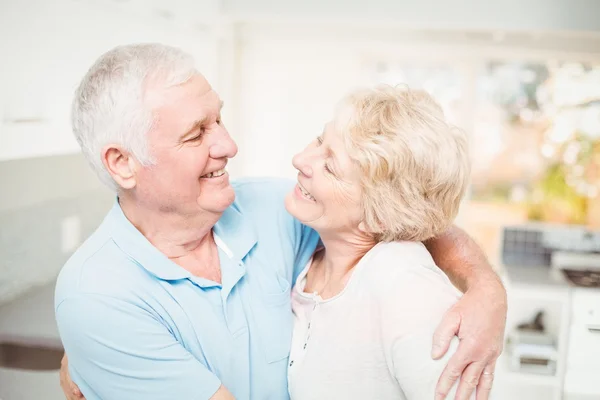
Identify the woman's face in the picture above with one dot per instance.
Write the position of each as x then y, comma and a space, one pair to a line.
328, 196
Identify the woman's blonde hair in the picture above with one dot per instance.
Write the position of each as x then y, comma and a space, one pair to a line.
415, 166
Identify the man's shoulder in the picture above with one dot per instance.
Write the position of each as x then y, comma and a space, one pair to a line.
98, 267
261, 190
263, 199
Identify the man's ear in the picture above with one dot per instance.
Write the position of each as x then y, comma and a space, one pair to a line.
120, 164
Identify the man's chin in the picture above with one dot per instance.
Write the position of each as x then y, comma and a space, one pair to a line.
217, 202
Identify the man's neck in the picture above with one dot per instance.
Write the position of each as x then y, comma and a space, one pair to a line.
186, 240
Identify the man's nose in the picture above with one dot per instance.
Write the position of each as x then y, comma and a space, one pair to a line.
224, 146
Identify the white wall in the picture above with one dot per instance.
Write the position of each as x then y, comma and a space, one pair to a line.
291, 74
545, 15
47, 46
288, 89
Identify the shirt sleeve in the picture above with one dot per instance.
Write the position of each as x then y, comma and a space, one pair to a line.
307, 240
119, 350
412, 305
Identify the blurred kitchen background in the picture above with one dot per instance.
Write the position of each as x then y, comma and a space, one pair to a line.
521, 77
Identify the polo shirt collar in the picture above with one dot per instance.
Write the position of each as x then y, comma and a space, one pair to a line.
237, 234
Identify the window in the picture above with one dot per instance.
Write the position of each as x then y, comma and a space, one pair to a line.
535, 138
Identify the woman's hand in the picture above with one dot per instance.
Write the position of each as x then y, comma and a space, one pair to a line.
69, 388
478, 320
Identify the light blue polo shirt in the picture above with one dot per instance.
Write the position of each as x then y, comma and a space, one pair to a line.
135, 325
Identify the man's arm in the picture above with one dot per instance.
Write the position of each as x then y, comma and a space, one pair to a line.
72, 392
460, 258
119, 350
478, 319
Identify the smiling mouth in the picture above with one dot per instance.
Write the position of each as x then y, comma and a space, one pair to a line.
305, 193
214, 174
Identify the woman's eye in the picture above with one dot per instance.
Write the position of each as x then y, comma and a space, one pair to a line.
320, 140
327, 169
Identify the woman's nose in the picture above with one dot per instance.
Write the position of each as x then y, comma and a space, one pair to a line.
302, 164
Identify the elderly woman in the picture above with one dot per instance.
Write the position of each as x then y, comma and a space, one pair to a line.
386, 174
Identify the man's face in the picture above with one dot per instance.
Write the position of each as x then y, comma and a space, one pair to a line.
190, 147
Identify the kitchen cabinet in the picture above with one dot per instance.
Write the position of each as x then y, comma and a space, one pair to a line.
530, 290
52, 45
572, 316
582, 378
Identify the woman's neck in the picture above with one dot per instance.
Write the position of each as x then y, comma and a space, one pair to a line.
332, 267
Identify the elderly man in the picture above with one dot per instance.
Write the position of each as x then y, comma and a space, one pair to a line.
184, 289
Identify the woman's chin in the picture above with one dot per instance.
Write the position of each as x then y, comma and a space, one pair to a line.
287, 201
299, 211
291, 206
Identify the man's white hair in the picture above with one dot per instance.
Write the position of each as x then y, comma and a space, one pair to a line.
109, 103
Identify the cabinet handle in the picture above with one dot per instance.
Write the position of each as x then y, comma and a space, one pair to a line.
594, 328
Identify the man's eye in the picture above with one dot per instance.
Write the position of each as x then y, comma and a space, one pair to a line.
328, 169
197, 137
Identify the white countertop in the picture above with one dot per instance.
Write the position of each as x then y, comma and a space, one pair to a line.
29, 319
544, 277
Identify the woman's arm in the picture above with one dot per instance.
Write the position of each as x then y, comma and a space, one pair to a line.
478, 319
413, 301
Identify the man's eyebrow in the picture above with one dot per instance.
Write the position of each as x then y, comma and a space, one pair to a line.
192, 128
197, 124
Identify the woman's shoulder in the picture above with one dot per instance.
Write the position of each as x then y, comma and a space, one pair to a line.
391, 260
414, 251
398, 271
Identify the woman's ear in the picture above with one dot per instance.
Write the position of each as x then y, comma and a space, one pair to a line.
362, 226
